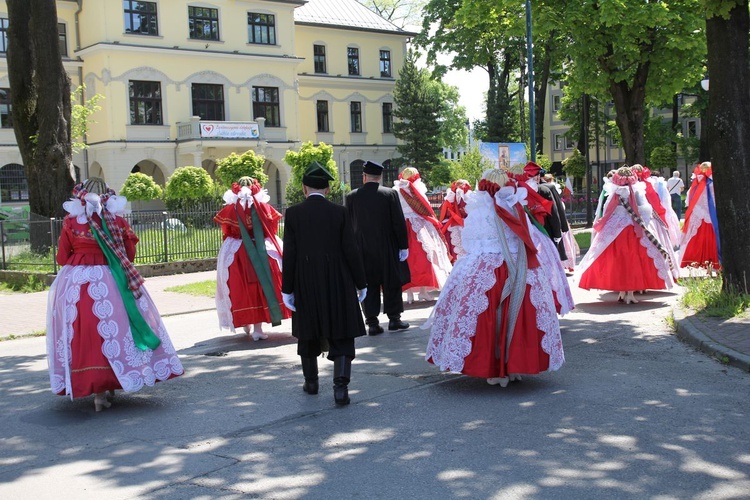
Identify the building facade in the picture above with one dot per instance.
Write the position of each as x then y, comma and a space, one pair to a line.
188, 82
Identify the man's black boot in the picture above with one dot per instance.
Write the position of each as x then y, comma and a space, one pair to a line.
373, 327
395, 324
310, 371
342, 371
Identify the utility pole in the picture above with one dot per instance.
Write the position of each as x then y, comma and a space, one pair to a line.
530, 64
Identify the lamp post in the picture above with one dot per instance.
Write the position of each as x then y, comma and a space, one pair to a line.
530, 65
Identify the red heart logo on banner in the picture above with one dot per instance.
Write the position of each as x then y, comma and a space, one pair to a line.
208, 128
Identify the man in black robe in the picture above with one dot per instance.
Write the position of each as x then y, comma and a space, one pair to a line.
323, 281
555, 222
380, 231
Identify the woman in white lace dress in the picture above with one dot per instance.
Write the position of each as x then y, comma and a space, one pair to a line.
103, 330
496, 317
429, 260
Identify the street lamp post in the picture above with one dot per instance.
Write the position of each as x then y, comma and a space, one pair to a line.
530, 64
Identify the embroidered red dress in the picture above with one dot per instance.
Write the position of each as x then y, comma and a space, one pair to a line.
429, 260
699, 246
499, 248
240, 299
90, 345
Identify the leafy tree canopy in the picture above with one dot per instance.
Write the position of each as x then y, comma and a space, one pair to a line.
300, 160
80, 114
140, 187
186, 186
234, 166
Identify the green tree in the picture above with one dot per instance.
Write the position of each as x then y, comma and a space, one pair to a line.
141, 187
300, 160
451, 115
488, 35
662, 158
416, 114
635, 53
234, 166
470, 166
575, 165
80, 115
40, 108
728, 38
188, 186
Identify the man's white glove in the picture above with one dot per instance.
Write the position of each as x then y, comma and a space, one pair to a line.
288, 299
557, 240
361, 294
403, 254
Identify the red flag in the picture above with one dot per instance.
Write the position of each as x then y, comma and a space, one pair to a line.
568, 190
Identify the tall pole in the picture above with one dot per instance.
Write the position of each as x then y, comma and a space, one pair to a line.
587, 156
530, 65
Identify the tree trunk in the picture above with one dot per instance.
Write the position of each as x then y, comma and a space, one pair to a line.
40, 99
729, 117
630, 111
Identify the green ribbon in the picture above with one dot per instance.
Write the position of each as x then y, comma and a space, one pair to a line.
534, 221
256, 251
143, 336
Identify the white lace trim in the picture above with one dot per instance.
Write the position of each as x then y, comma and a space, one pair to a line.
700, 215
433, 246
132, 367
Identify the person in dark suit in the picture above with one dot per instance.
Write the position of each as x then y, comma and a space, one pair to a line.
323, 281
380, 231
555, 223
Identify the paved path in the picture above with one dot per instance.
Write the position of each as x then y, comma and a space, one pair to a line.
634, 413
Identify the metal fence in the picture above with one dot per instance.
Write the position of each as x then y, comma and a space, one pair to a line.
165, 236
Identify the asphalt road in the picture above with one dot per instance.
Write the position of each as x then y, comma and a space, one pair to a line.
633, 413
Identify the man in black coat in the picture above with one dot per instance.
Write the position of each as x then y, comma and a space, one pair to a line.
323, 281
555, 223
380, 231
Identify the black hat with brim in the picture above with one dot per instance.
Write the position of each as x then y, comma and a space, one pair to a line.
316, 176
372, 168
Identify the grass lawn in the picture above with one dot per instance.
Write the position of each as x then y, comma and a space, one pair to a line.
199, 289
706, 296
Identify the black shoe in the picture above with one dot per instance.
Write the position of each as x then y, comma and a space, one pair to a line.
341, 395
310, 387
397, 324
374, 329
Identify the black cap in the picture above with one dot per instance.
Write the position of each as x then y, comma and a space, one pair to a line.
372, 168
316, 176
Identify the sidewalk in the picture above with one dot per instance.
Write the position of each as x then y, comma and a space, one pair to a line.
726, 340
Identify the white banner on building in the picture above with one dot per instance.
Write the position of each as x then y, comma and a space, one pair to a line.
230, 130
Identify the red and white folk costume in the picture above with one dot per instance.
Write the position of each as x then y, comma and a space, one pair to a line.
496, 316
103, 330
240, 299
625, 255
429, 260
700, 242
453, 213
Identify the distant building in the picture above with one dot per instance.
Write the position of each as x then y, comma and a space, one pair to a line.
186, 83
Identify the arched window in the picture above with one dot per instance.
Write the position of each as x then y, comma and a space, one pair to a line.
355, 173
13, 185
390, 174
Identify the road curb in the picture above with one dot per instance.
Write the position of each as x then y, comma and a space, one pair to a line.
688, 332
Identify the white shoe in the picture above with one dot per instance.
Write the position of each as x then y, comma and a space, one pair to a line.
259, 336
501, 381
515, 377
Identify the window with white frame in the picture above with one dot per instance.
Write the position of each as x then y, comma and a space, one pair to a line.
387, 117
352, 54
385, 64
559, 143
6, 120
319, 58
690, 129
355, 112
145, 103
322, 114
62, 37
203, 23
261, 28
266, 104
140, 17
208, 101
556, 102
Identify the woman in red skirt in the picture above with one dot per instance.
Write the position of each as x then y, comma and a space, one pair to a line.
625, 255
496, 317
429, 260
699, 246
103, 330
248, 267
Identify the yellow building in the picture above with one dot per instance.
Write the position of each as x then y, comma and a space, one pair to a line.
188, 82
